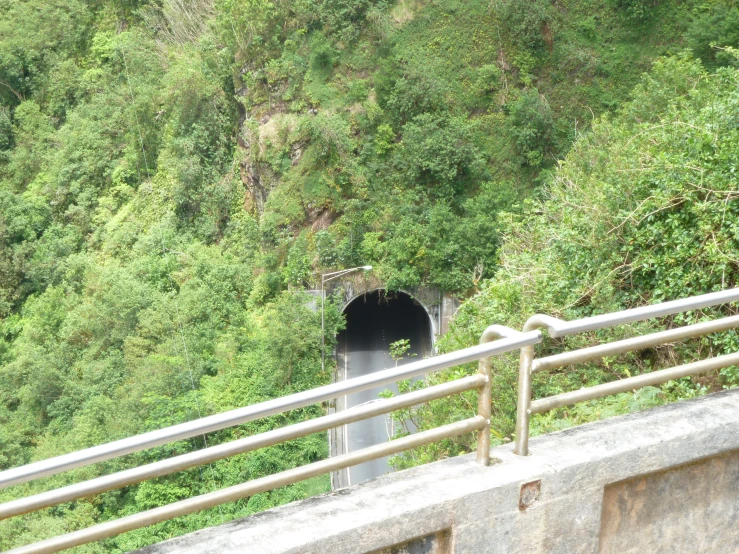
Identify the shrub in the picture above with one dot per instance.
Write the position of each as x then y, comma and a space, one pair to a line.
713, 29
531, 126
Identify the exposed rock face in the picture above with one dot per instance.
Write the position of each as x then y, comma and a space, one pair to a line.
264, 138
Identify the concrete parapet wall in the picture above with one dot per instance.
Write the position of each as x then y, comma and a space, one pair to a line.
664, 480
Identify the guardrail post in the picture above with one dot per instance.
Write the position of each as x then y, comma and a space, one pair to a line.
523, 407
524, 401
485, 396
484, 409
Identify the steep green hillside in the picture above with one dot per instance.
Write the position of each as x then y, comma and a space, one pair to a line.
643, 209
400, 149
173, 174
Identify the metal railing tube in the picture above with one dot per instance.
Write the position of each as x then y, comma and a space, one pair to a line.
484, 399
631, 383
230, 494
563, 329
216, 422
559, 328
634, 343
241, 446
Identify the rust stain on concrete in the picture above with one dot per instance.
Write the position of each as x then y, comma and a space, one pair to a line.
692, 508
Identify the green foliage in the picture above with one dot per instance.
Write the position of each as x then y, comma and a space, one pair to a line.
416, 93
384, 140
641, 210
532, 127
440, 154
636, 10
399, 349
170, 181
339, 18
298, 267
331, 140
36, 37
715, 27
527, 23
323, 55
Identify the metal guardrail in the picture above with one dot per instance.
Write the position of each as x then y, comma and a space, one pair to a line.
224, 420
559, 328
507, 340
495, 340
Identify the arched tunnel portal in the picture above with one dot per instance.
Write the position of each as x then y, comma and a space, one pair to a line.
374, 321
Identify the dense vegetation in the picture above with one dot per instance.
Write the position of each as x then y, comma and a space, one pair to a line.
643, 209
173, 174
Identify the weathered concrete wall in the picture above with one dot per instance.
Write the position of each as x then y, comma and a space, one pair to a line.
440, 306
694, 505
665, 480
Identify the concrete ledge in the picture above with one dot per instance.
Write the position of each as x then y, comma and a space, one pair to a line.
549, 502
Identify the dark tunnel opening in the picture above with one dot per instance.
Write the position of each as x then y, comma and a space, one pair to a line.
377, 319
373, 322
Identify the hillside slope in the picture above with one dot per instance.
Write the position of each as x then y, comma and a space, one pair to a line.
172, 174
643, 209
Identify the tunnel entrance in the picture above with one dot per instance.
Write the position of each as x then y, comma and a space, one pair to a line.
374, 321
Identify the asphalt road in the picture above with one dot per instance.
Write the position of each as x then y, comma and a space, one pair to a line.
371, 328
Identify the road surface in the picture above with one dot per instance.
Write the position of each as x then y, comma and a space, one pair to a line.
370, 331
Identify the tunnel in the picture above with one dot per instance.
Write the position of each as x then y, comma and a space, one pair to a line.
374, 321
